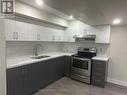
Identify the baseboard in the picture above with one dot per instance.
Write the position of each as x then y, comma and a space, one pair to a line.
117, 82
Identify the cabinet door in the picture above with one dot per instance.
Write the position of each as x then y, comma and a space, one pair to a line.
45, 34
43, 76
59, 71
54, 69
15, 82
33, 31
98, 73
91, 30
21, 31
46, 74
75, 28
103, 34
71, 31
59, 35
31, 78
67, 66
10, 29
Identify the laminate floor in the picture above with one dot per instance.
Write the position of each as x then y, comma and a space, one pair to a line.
66, 86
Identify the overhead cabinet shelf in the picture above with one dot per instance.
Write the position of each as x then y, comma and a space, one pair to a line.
22, 31
102, 32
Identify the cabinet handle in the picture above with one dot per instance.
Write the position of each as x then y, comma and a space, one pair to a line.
98, 74
24, 70
59, 38
97, 80
53, 38
100, 69
38, 36
14, 35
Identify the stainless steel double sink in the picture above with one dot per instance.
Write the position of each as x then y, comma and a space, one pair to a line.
40, 57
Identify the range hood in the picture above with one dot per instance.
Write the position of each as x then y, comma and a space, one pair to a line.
87, 37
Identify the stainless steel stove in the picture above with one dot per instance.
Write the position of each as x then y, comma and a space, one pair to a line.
81, 64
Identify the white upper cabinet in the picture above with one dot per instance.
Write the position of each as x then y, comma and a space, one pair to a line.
22, 31
76, 28
10, 30
71, 31
46, 34
32, 32
103, 33
41, 33
90, 30
16, 30
57, 35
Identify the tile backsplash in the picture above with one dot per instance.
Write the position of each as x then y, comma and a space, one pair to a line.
15, 49
102, 49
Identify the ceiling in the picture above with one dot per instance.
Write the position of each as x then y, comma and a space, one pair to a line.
93, 12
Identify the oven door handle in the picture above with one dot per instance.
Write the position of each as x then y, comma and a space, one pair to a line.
81, 59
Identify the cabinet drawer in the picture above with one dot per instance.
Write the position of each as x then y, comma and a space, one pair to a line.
98, 70
98, 74
99, 63
98, 82
98, 66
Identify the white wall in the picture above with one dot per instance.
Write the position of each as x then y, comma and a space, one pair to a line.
118, 54
2, 60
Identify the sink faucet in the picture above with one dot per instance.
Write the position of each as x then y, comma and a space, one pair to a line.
36, 49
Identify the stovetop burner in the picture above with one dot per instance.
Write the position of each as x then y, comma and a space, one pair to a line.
85, 57
86, 53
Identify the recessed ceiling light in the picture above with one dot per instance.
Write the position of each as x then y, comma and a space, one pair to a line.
39, 2
71, 17
116, 21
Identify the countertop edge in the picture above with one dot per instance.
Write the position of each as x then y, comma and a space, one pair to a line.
101, 58
34, 61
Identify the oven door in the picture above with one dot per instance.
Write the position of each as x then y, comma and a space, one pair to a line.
81, 66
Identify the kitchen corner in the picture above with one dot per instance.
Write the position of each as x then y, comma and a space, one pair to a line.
63, 47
